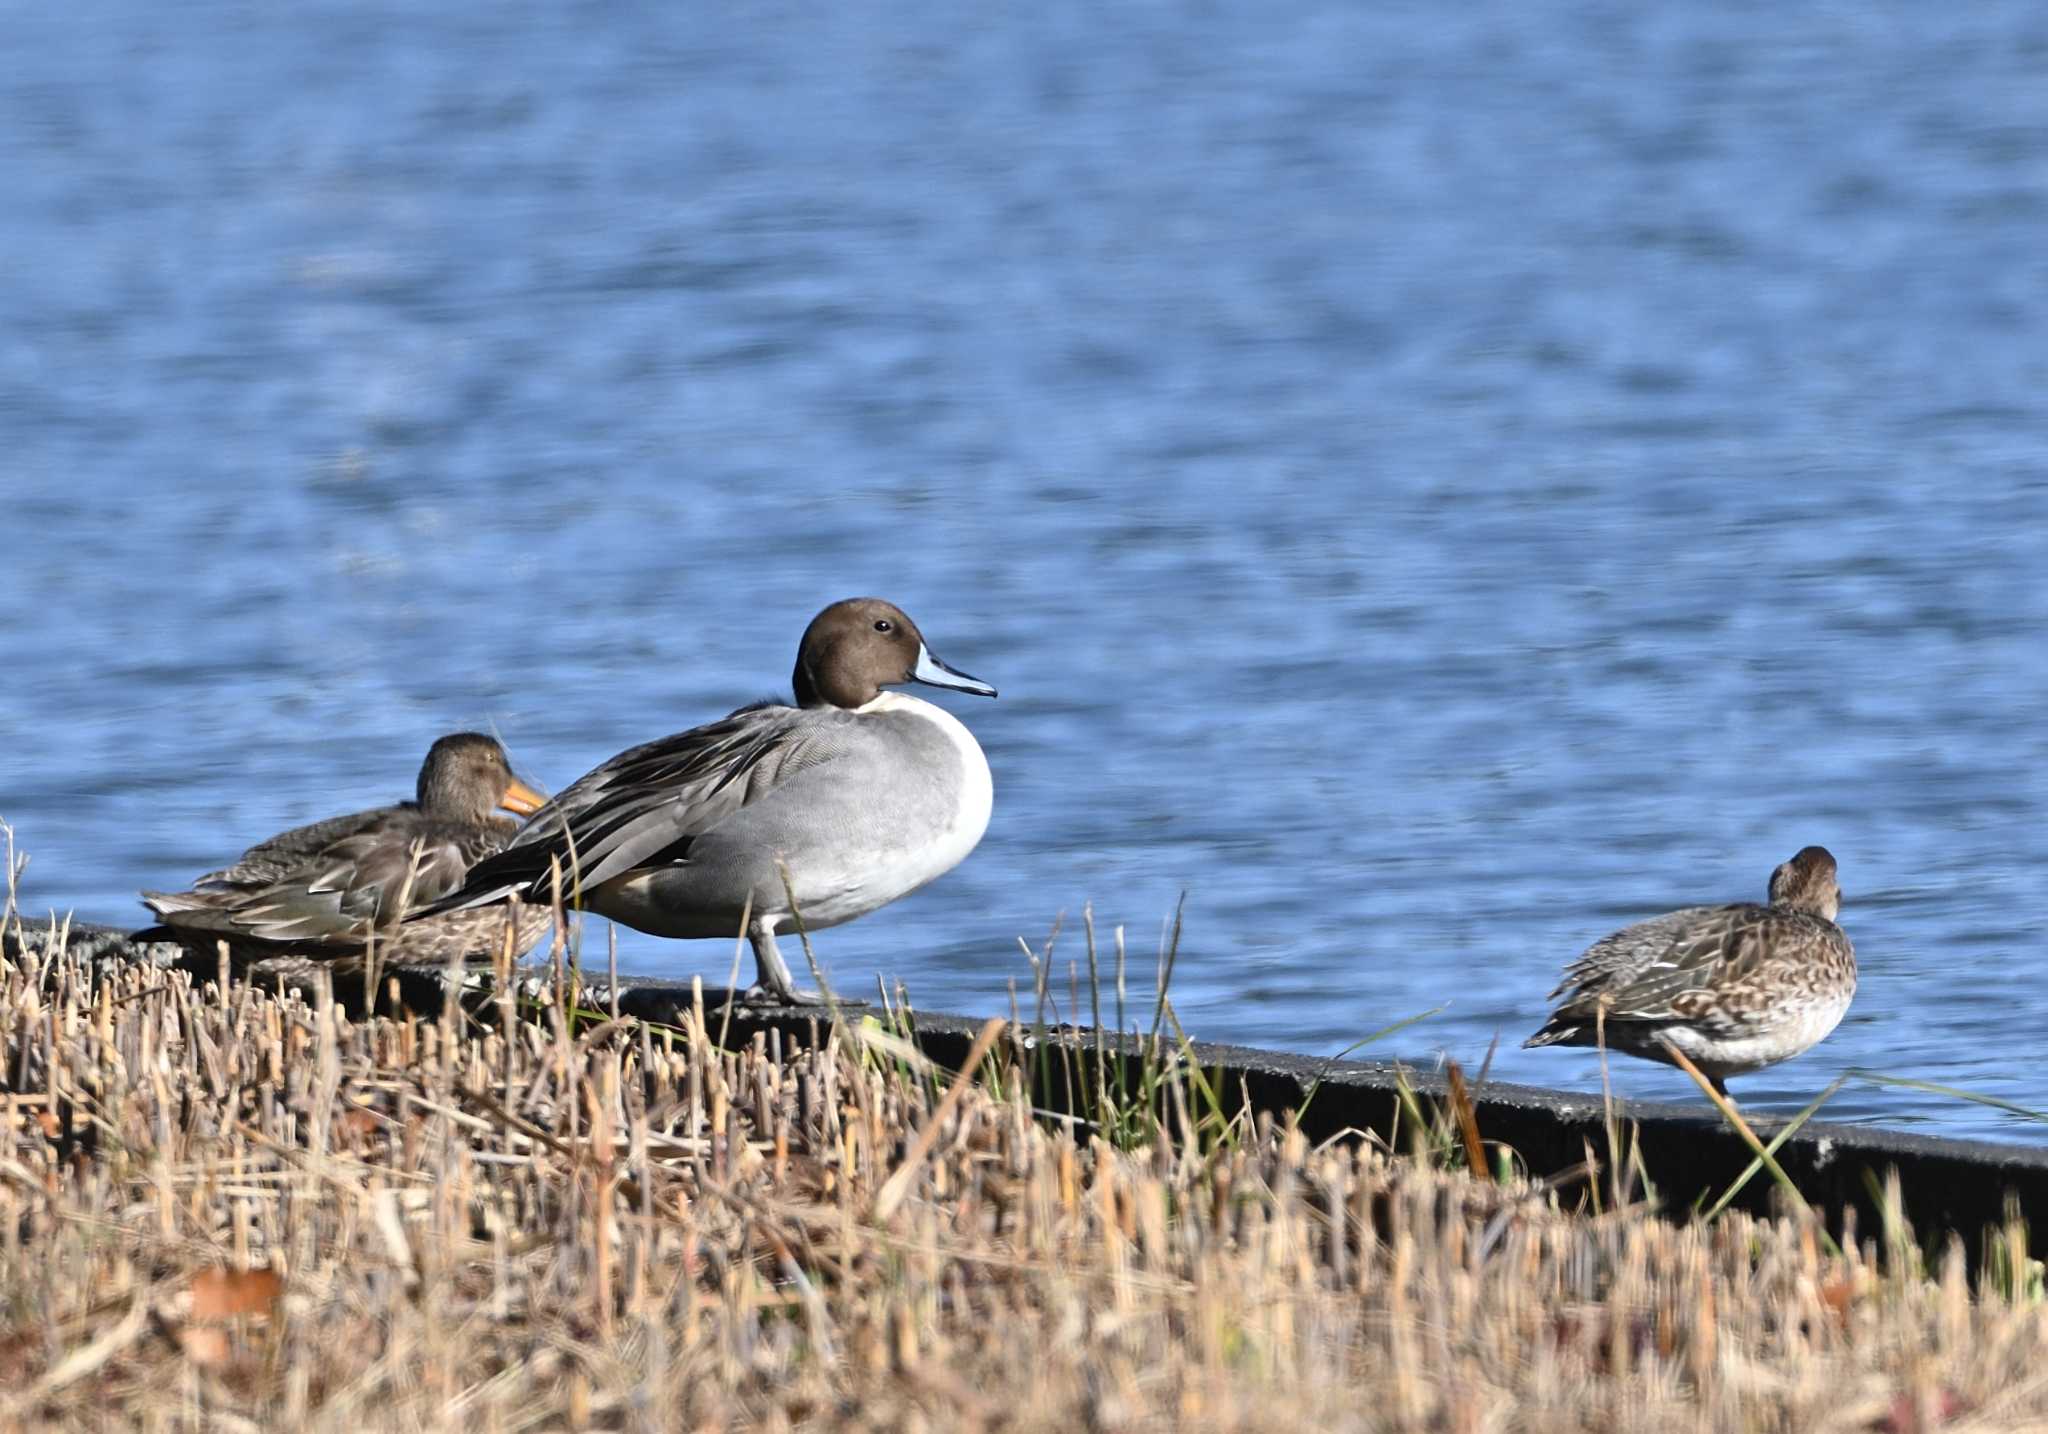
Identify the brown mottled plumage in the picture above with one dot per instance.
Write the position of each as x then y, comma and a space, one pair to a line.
1736, 988
318, 893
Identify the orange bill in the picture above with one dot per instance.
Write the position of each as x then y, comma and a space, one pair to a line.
521, 799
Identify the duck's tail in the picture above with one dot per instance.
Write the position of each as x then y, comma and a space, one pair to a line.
1558, 1031
169, 903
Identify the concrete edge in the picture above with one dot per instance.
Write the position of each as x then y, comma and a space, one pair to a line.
1946, 1185
1690, 1154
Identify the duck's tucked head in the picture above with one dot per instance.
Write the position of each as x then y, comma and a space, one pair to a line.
466, 774
1807, 883
853, 649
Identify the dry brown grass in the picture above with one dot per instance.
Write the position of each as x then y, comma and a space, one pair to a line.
243, 1211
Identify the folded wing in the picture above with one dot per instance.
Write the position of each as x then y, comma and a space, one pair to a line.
366, 878
1678, 967
644, 807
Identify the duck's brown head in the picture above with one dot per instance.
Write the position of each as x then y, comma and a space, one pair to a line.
853, 649
1807, 883
466, 775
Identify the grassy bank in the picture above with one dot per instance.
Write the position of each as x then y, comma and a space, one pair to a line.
247, 1211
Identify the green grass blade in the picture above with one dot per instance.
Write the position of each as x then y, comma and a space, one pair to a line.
1777, 1140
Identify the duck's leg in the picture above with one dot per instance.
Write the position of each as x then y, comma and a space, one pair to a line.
772, 986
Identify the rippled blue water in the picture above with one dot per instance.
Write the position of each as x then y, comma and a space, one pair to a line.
1431, 485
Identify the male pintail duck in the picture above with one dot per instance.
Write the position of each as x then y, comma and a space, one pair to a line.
861, 795
1736, 988
322, 891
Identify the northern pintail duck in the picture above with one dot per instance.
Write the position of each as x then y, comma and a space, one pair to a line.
325, 891
859, 794
1736, 988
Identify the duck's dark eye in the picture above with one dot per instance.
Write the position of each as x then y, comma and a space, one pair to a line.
882, 624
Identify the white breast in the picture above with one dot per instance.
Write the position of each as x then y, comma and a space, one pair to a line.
1722, 1055
969, 818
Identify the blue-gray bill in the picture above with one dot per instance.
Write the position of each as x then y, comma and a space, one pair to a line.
934, 673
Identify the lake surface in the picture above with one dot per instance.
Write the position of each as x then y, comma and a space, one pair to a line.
1432, 487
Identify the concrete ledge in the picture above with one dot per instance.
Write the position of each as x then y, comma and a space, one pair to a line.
1947, 1185
1689, 1152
